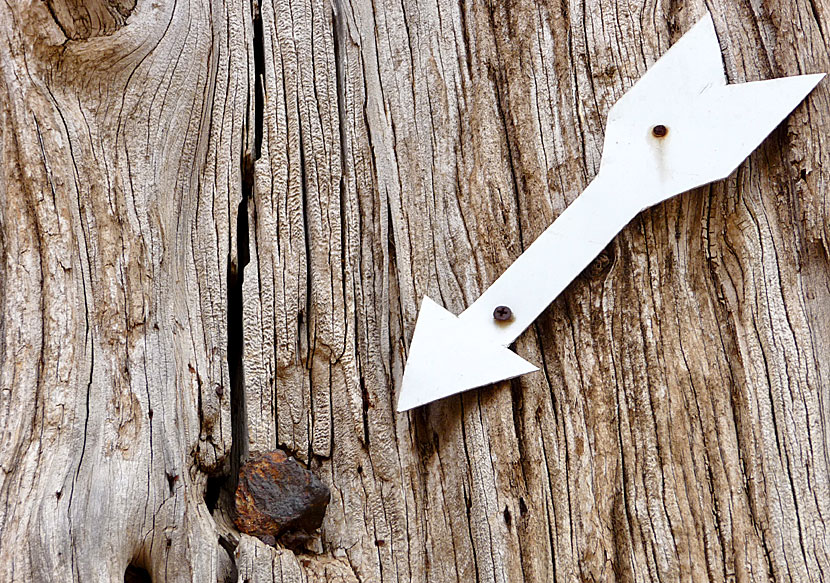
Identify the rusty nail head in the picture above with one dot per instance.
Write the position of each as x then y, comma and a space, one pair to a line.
659, 131
503, 314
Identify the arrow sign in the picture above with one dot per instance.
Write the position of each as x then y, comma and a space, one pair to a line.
679, 127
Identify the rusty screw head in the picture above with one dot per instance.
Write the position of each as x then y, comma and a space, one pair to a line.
502, 314
659, 131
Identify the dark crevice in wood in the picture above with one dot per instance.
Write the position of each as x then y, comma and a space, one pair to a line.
51, 6
220, 489
136, 574
171, 481
213, 490
231, 574
259, 75
236, 266
517, 398
364, 392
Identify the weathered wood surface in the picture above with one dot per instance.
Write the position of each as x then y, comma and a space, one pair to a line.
119, 186
679, 429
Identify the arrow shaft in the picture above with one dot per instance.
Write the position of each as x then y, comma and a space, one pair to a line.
554, 259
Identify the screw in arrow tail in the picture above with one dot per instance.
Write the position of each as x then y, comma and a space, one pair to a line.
502, 314
659, 131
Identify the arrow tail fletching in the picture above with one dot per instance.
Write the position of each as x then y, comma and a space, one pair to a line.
691, 66
741, 116
707, 128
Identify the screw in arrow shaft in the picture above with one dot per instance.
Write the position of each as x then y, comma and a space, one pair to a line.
502, 314
659, 131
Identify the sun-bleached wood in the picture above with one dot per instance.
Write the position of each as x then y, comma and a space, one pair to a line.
119, 187
684, 392
679, 428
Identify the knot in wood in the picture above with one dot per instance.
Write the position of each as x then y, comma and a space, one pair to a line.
602, 263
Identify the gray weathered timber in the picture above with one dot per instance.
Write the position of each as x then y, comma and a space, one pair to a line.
119, 186
679, 429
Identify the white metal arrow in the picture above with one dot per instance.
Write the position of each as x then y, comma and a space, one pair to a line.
679, 127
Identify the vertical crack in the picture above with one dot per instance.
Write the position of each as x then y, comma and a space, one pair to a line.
249, 155
221, 491
236, 266
259, 79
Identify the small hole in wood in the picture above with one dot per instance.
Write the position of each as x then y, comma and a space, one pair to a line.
171, 481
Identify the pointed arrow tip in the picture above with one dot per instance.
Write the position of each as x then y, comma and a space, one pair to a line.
445, 359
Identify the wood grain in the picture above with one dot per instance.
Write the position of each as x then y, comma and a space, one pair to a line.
377, 152
683, 395
120, 182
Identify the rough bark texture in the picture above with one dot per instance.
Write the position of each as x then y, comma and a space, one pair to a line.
679, 429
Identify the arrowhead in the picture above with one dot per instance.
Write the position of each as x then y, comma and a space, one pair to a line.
445, 358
